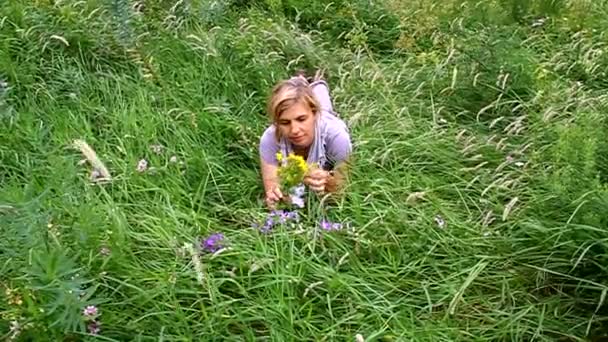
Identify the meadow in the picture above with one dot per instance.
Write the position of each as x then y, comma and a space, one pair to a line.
477, 205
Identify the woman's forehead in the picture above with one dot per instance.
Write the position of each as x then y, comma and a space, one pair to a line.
296, 110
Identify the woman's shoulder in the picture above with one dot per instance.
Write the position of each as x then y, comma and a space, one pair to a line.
337, 140
333, 125
269, 135
269, 145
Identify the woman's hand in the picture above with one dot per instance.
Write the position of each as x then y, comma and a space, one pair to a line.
273, 196
317, 180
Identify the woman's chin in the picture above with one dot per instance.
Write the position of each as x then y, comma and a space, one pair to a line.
300, 144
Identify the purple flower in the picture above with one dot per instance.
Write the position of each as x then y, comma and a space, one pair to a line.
292, 215
268, 225
329, 226
284, 216
94, 327
289, 216
325, 225
277, 217
213, 243
276, 212
90, 311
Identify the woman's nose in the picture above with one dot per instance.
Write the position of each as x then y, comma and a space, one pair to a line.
295, 129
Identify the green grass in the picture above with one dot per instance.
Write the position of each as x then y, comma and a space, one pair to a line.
501, 125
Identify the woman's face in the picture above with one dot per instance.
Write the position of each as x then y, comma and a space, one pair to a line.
297, 124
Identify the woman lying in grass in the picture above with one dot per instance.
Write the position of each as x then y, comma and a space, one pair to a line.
304, 123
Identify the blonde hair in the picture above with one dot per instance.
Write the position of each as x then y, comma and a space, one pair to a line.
286, 94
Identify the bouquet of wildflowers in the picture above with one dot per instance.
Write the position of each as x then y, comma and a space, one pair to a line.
293, 171
291, 174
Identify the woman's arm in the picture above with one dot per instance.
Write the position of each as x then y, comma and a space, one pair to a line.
338, 178
269, 166
270, 180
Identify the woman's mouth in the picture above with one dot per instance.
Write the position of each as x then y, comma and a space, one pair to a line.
297, 139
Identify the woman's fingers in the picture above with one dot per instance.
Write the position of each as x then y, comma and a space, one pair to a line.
318, 181
307, 180
318, 174
277, 193
316, 185
318, 188
270, 202
273, 196
315, 182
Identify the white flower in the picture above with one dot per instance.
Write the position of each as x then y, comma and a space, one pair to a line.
105, 251
142, 165
173, 159
158, 149
95, 175
297, 201
539, 22
90, 311
299, 191
15, 330
440, 221
15, 326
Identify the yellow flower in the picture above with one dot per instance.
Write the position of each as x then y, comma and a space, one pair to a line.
293, 172
279, 156
298, 161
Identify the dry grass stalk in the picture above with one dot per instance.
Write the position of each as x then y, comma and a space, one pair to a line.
509, 208
100, 171
475, 168
311, 286
488, 218
495, 121
460, 134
